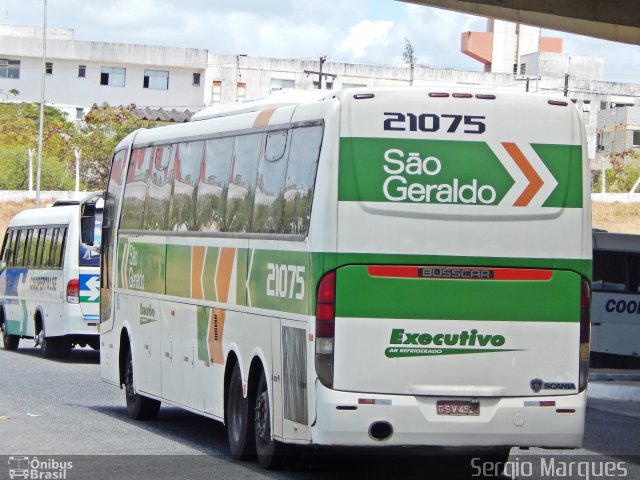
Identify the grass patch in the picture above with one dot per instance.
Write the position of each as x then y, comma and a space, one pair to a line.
616, 217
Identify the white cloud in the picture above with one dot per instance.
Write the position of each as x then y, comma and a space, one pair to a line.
363, 35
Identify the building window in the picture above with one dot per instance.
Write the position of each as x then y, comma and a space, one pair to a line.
216, 91
241, 91
196, 79
281, 83
156, 79
9, 68
523, 68
49, 68
79, 113
636, 138
113, 76
82, 71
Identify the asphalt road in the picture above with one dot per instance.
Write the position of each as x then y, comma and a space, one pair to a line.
60, 411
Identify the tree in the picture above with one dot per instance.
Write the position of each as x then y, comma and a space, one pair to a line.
97, 138
409, 58
624, 171
19, 133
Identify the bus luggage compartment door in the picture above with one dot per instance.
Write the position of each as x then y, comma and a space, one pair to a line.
456, 331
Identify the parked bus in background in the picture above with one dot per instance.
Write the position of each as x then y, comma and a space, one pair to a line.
376, 268
49, 277
615, 311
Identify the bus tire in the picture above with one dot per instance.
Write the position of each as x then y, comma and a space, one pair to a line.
63, 347
239, 422
271, 454
10, 342
48, 345
139, 407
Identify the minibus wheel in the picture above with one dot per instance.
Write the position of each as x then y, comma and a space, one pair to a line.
10, 342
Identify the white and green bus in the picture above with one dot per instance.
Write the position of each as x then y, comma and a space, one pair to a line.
376, 268
49, 277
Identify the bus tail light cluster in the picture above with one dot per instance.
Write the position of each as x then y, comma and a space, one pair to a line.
585, 331
73, 291
325, 328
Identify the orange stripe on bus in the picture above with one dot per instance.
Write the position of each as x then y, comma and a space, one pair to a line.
262, 120
535, 182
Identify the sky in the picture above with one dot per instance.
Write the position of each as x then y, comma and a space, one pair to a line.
367, 31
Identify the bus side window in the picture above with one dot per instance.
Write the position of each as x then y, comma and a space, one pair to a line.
20, 249
7, 248
135, 190
159, 189
301, 177
609, 271
182, 214
46, 251
41, 236
32, 246
269, 198
214, 185
633, 262
60, 244
242, 182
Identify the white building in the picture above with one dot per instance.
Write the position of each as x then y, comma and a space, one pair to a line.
619, 130
80, 73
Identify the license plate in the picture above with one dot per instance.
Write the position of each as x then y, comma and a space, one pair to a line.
457, 407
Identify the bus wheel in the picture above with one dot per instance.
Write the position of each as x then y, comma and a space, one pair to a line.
48, 345
63, 346
270, 452
139, 407
10, 342
239, 430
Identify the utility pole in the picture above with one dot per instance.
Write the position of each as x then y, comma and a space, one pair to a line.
40, 128
566, 84
320, 73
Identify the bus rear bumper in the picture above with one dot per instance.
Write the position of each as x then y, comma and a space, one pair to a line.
347, 419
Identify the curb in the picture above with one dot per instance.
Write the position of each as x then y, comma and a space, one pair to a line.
614, 391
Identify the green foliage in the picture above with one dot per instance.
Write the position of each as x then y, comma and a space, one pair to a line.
19, 132
624, 172
98, 137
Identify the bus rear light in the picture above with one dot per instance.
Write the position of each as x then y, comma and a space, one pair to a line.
73, 291
325, 307
483, 96
325, 328
585, 332
363, 96
462, 95
557, 103
439, 94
